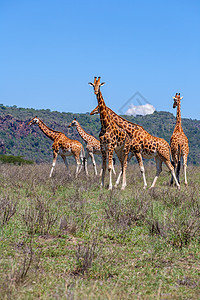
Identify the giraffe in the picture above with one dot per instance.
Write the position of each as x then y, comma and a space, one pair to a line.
144, 145
179, 142
62, 145
112, 137
93, 145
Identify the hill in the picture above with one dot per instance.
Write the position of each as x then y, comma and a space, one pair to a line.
17, 138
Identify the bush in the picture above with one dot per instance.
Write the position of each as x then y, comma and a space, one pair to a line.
17, 160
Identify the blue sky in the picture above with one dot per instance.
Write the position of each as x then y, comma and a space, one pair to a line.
50, 50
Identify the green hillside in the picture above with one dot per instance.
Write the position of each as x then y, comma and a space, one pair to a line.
17, 138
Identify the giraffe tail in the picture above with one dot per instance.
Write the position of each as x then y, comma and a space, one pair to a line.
179, 152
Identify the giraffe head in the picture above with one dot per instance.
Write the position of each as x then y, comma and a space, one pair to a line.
34, 121
73, 123
177, 99
96, 85
95, 111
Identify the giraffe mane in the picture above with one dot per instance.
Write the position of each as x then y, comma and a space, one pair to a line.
49, 127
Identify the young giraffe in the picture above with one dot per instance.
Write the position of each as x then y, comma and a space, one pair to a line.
179, 142
62, 145
144, 145
93, 145
112, 137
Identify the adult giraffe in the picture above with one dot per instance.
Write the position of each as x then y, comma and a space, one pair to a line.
112, 138
62, 145
143, 144
179, 142
93, 145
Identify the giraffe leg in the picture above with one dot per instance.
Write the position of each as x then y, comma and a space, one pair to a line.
104, 157
93, 162
130, 156
185, 175
140, 162
113, 169
171, 168
118, 179
121, 171
174, 163
100, 174
110, 166
185, 168
120, 157
178, 171
82, 161
158, 170
124, 175
85, 160
78, 164
78, 168
55, 155
125, 158
110, 179
66, 163
172, 178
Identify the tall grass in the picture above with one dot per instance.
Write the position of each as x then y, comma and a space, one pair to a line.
65, 238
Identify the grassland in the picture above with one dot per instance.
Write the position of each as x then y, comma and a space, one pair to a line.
65, 238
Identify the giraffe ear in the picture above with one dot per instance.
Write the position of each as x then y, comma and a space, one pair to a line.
102, 83
90, 83
181, 98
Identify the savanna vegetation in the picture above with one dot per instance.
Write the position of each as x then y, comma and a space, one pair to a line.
65, 238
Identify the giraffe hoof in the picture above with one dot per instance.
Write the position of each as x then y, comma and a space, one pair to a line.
144, 187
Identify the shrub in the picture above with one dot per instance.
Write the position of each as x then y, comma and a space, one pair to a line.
17, 160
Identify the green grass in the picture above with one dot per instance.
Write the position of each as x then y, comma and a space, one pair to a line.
65, 238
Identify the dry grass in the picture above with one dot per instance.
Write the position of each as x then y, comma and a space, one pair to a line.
65, 238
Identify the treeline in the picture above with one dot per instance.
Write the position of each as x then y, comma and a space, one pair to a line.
17, 138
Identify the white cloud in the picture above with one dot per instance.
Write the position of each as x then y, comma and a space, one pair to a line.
143, 110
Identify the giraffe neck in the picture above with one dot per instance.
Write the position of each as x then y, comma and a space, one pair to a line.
104, 117
118, 119
52, 134
85, 136
178, 114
